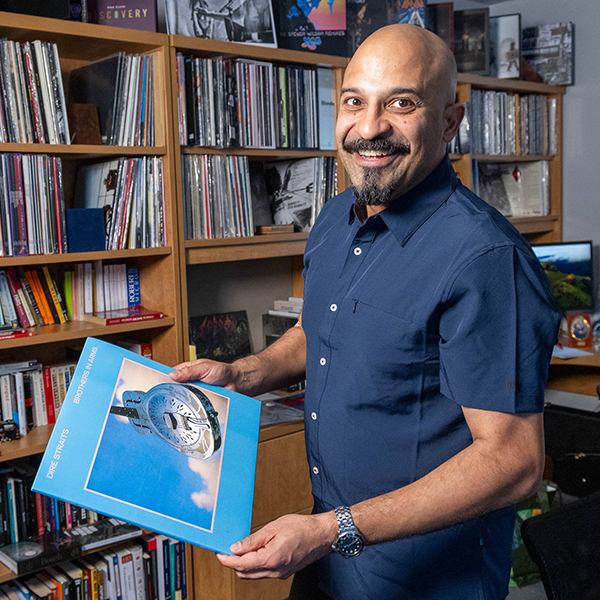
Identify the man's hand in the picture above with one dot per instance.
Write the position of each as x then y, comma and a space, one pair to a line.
209, 371
283, 547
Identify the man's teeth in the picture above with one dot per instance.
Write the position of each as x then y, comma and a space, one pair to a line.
373, 154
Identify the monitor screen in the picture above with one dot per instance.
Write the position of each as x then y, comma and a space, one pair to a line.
569, 267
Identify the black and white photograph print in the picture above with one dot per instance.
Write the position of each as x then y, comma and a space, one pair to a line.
505, 46
472, 40
243, 21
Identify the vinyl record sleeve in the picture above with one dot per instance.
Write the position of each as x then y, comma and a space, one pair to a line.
132, 444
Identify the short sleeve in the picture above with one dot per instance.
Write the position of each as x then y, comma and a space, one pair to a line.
498, 325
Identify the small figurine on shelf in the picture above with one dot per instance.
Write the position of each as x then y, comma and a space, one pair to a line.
9, 431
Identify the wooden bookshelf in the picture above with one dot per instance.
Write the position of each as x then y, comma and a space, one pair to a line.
259, 152
83, 151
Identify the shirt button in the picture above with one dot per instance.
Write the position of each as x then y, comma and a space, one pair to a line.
315, 470
333, 307
313, 416
322, 362
357, 251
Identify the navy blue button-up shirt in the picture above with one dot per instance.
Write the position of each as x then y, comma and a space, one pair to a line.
433, 304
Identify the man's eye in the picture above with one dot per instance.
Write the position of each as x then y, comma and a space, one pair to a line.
402, 103
353, 102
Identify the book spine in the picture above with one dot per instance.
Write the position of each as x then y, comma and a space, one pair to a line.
133, 286
133, 319
49, 395
14, 288
167, 569
54, 295
8, 309
39, 297
39, 511
41, 278
26, 286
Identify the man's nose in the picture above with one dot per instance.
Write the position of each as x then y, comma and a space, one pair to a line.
372, 123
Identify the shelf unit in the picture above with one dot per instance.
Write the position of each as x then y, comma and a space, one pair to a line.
79, 44
536, 229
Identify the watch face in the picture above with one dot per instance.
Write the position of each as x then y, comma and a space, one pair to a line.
182, 416
350, 544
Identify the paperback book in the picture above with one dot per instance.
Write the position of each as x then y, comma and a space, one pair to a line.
130, 443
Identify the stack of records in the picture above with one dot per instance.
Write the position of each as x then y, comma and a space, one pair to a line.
239, 102
216, 197
507, 123
32, 205
131, 192
122, 87
32, 99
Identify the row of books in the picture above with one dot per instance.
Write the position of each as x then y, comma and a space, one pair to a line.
25, 514
32, 205
150, 567
239, 102
122, 87
131, 192
32, 99
31, 394
507, 123
515, 189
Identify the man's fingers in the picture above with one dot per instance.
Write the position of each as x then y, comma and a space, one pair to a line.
252, 543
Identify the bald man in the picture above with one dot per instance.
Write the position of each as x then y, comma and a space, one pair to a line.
425, 338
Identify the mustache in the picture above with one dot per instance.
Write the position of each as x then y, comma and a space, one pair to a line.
377, 145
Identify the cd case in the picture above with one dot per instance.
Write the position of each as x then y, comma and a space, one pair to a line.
129, 442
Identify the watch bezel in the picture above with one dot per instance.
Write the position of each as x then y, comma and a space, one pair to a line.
345, 543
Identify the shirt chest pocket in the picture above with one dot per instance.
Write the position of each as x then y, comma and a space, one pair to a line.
377, 343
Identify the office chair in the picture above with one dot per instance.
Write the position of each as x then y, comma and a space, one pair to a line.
565, 545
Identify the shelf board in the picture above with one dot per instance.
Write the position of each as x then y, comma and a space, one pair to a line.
83, 150
72, 257
510, 85
264, 152
76, 330
528, 225
512, 157
244, 248
33, 443
217, 47
578, 361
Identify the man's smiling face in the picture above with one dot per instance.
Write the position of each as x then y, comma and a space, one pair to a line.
393, 122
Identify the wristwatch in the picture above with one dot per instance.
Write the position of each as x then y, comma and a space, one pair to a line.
349, 542
178, 414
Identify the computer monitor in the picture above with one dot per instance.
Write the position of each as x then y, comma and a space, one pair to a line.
570, 269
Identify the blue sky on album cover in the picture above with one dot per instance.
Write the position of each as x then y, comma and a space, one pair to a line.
120, 447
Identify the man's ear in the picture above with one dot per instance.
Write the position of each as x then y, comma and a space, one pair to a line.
452, 118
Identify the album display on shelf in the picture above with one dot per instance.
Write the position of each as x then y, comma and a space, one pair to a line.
512, 123
204, 437
549, 53
131, 14
240, 102
131, 193
440, 20
317, 26
32, 98
122, 87
505, 46
411, 12
363, 17
516, 189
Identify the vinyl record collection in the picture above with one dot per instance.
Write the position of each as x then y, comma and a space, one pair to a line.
131, 191
216, 197
122, 87
506, 123
32, 205
239, 102
32, 99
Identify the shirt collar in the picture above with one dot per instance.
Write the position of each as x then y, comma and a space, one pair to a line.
406, 214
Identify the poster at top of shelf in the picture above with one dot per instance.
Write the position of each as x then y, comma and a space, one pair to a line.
242, 21
548, 54
363, 18
131, 14
129, 442
312, 25
411, 12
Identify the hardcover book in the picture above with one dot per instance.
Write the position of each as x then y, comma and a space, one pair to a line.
130, 443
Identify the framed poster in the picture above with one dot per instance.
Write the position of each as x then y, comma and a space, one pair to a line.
440, 20
505, 46
472, 40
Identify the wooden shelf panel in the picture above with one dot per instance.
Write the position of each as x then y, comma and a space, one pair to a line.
83, 41
80, 329
578, 361
83, 150
512, 157
510, 85
244, 248
33, 443
73, 257
216, 47
264, 152
534, 224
